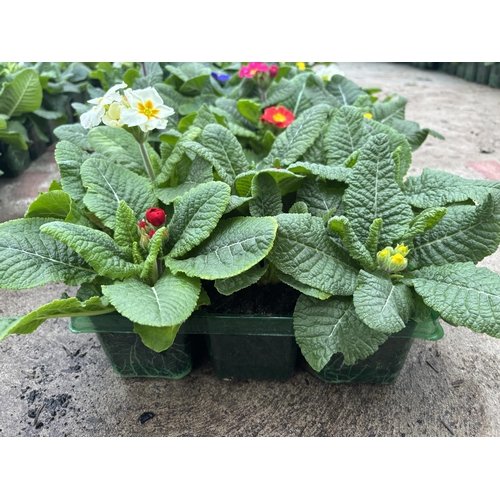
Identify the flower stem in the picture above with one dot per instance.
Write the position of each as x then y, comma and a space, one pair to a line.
147, 161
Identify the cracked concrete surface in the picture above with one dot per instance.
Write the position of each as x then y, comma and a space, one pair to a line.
56, 383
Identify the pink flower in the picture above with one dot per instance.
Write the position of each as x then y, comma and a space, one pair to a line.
252, 69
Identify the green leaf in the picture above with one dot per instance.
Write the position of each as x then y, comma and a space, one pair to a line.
61, 309
96, 247
108, 184
465, 233
424, 221
73, 133
381, 304
342, 227
374, 193
266, 196
298, 137
322, 171
303, 250
462, 294
175, 157
250, 110
29, 258
196, 215
234, 246
22, 94
436, 188
345, 135
413, 133
157, 338
126, 233
53, 204
15, 135
319, 198
227, 151
150, 269
169, 302
325, 327
228, 286
301, 287
371, 242
344, 90
119, 147
70, 158
385, 112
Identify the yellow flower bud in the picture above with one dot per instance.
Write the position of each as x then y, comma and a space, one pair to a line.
368, 115
402, 249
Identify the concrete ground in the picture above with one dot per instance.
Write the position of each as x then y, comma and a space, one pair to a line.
56, 383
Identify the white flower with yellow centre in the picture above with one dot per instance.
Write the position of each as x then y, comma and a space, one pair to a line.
93, 117
112, 116
146, 110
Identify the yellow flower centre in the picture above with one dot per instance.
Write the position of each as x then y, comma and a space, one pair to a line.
402, 249
278, 117
253, 71
383, 253
398, 259
147, 109
368, 115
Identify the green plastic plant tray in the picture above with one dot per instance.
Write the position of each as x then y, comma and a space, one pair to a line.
384, 365
129, 357
243, 347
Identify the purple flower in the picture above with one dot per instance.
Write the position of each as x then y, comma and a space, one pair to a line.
221, 77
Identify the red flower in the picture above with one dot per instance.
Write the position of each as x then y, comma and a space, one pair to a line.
273, 70
151, 233
155, 216
252, 69
142, 224
278, 116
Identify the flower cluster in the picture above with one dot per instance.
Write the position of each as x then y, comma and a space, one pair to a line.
279, 116
393, 260
141, 108
254, 68
155, 218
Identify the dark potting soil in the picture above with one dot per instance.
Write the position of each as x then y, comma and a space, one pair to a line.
268, 300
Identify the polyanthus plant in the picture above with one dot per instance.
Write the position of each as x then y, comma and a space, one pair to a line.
370, 249
104, 228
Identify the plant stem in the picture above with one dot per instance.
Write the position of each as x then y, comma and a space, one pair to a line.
147, 161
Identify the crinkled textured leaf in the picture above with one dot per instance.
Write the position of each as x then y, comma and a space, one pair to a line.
341, 226
323, 171
325, 327
236, 202
227, 151
150, 269
382, 304
279, 92
70, 158
29, 258
62, 308
385, 112
344, 90
196, 215
374, 193
396, 141
292, 143
108, 184
52, 205
462, 294
301, 287
119, 147
169, 302
437, 188
303, 250
413, 133
230, 107
126, 228
319, 198
287, 181
266, 196
234, 246
228, 286
424, 221
465, 233
73, 133
6, 324
345, 134
96, 247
